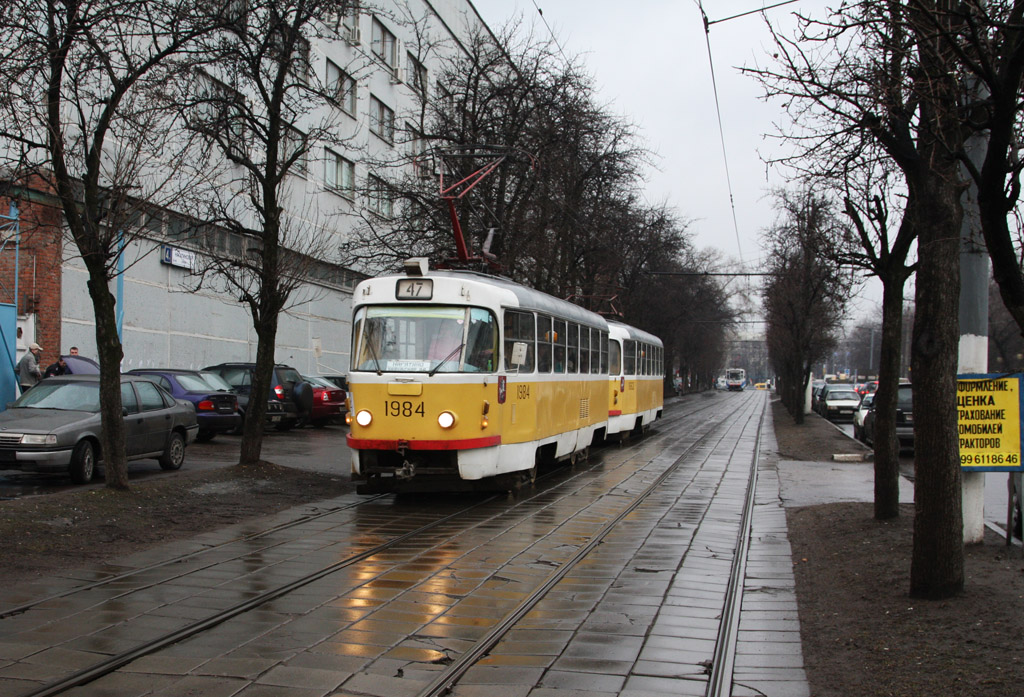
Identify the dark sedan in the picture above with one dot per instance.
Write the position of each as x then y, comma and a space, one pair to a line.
55, 426
290, 399
216, 405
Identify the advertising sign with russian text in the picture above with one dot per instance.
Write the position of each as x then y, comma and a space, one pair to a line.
989, 426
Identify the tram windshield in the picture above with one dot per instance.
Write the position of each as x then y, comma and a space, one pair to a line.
425, 339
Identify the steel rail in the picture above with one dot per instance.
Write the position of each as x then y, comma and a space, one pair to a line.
724, 660
446, 680
19, 609
114, 662
111, 664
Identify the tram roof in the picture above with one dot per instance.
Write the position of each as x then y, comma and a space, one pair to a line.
527, 298
634, 333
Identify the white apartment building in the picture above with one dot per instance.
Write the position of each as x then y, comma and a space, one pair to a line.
376, 60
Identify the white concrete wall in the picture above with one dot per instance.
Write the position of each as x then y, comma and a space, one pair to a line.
166, 325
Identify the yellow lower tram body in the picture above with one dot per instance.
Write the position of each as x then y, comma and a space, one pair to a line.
501, 430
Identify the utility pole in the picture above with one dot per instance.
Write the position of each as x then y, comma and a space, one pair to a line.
973, 357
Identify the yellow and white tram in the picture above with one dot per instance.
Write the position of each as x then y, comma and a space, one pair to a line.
636, 379
463, 381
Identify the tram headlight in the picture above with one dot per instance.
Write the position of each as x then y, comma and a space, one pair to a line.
363, 418
446, 419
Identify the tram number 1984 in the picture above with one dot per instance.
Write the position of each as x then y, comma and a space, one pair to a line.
394, 407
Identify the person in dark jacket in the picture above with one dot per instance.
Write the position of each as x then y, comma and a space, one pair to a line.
58, 368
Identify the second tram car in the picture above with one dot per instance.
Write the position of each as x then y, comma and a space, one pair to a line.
463, 381
636, 379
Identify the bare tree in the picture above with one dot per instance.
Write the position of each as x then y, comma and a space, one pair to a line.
260, 107
805, 293
878, 77
84, 111
986, 38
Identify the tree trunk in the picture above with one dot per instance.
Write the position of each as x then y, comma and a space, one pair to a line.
937, 565
887, 450
108, 347
255, 418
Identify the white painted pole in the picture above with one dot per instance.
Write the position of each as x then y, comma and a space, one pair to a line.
973, 327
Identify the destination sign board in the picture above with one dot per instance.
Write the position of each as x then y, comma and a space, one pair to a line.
989, 422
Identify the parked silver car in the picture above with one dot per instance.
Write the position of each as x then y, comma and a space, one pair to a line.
55, 426
863, 408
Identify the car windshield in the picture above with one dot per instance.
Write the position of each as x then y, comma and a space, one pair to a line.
216, 381
425, 339
192, 383
320, 382
905, 399
288, 375
835, 395
67, 396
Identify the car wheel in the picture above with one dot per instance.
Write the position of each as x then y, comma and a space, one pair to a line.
83, 463
205, 436
174, 454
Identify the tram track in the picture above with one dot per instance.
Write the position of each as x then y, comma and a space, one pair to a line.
722, 664
304, 520
116, 661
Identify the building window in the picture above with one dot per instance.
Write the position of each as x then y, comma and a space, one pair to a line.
341, 87
417, 151
382, 119
416, 76
293, 145
340, 174
220, 115
380, 198
384, 45
350, 25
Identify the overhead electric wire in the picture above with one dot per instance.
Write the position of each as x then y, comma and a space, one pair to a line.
551, 32
721, 131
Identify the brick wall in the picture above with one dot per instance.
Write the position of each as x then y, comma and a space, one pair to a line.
39, 262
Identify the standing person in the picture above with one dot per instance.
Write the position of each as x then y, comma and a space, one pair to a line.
29, 372
73, 351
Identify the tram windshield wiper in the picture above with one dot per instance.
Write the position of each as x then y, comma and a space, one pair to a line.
444, 360
373, 355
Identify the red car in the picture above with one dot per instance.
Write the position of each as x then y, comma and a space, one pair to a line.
867, 388
329, 403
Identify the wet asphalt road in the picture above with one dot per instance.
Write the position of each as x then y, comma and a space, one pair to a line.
314, 449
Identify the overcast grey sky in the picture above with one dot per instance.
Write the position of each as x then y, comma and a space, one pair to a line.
650, 62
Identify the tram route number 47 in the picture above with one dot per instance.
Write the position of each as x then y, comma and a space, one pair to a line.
394, 407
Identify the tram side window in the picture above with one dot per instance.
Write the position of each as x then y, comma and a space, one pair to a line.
559, 344
481, 341
572, 336
543, 344
601, 366
614, 357
629, 358
519, 327
584, 349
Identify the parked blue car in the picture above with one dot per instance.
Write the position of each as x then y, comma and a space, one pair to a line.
216, 404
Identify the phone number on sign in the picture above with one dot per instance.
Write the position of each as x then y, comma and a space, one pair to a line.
990, 459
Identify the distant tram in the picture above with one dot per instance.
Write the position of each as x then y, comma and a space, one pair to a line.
735, 379
464, 381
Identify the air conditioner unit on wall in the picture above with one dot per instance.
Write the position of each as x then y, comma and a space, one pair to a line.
353, 37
